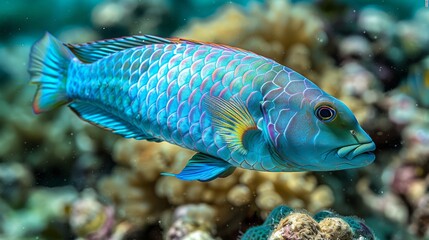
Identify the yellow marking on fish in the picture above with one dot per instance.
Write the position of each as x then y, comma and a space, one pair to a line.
232, 119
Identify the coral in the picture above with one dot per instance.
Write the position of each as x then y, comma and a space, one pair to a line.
390, 205
298, 58
296, 226
357, 55
90, 219
131, 186
192, 222
377, 24
142, 195
360, 83
404, 178
286, 223
335, 228
401, 108
416, 140
355, 46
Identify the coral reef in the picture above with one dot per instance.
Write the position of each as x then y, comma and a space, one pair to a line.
405, 175
374, 58
406, 180
286, 223
142, 195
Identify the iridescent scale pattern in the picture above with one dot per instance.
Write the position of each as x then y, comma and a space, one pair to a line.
159, 88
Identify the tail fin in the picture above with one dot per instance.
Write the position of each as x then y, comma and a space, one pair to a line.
49, 62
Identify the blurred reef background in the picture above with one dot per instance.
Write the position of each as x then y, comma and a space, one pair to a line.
61, 178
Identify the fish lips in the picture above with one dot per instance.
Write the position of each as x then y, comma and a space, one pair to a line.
358, 152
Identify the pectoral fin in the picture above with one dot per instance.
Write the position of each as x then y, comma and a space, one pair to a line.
232, 120
203, 167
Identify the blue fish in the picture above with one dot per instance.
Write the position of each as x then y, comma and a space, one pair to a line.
233, 107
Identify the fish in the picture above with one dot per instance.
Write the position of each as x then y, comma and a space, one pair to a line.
234, 108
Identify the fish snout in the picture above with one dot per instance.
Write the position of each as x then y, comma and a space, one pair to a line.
363, 145
360, 136
352, 151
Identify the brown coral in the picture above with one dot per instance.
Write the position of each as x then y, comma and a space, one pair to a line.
296, 226
335, 228
302, 226
142, 195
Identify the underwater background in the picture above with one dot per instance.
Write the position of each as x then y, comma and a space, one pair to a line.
61, 178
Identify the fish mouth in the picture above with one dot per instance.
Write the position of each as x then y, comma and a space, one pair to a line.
351, 152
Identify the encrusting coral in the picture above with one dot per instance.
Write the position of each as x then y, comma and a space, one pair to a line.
142, 195
285, 223
193, 221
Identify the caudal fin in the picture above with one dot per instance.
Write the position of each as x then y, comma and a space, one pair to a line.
49, 62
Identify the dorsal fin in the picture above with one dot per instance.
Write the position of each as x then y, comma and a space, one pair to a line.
93, 51
215, 45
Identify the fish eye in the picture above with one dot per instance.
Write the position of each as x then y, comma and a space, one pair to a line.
325, 113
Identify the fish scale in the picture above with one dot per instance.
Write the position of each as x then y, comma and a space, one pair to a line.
162, 93
234, 107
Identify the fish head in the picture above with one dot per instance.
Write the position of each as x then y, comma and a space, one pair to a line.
322, 134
